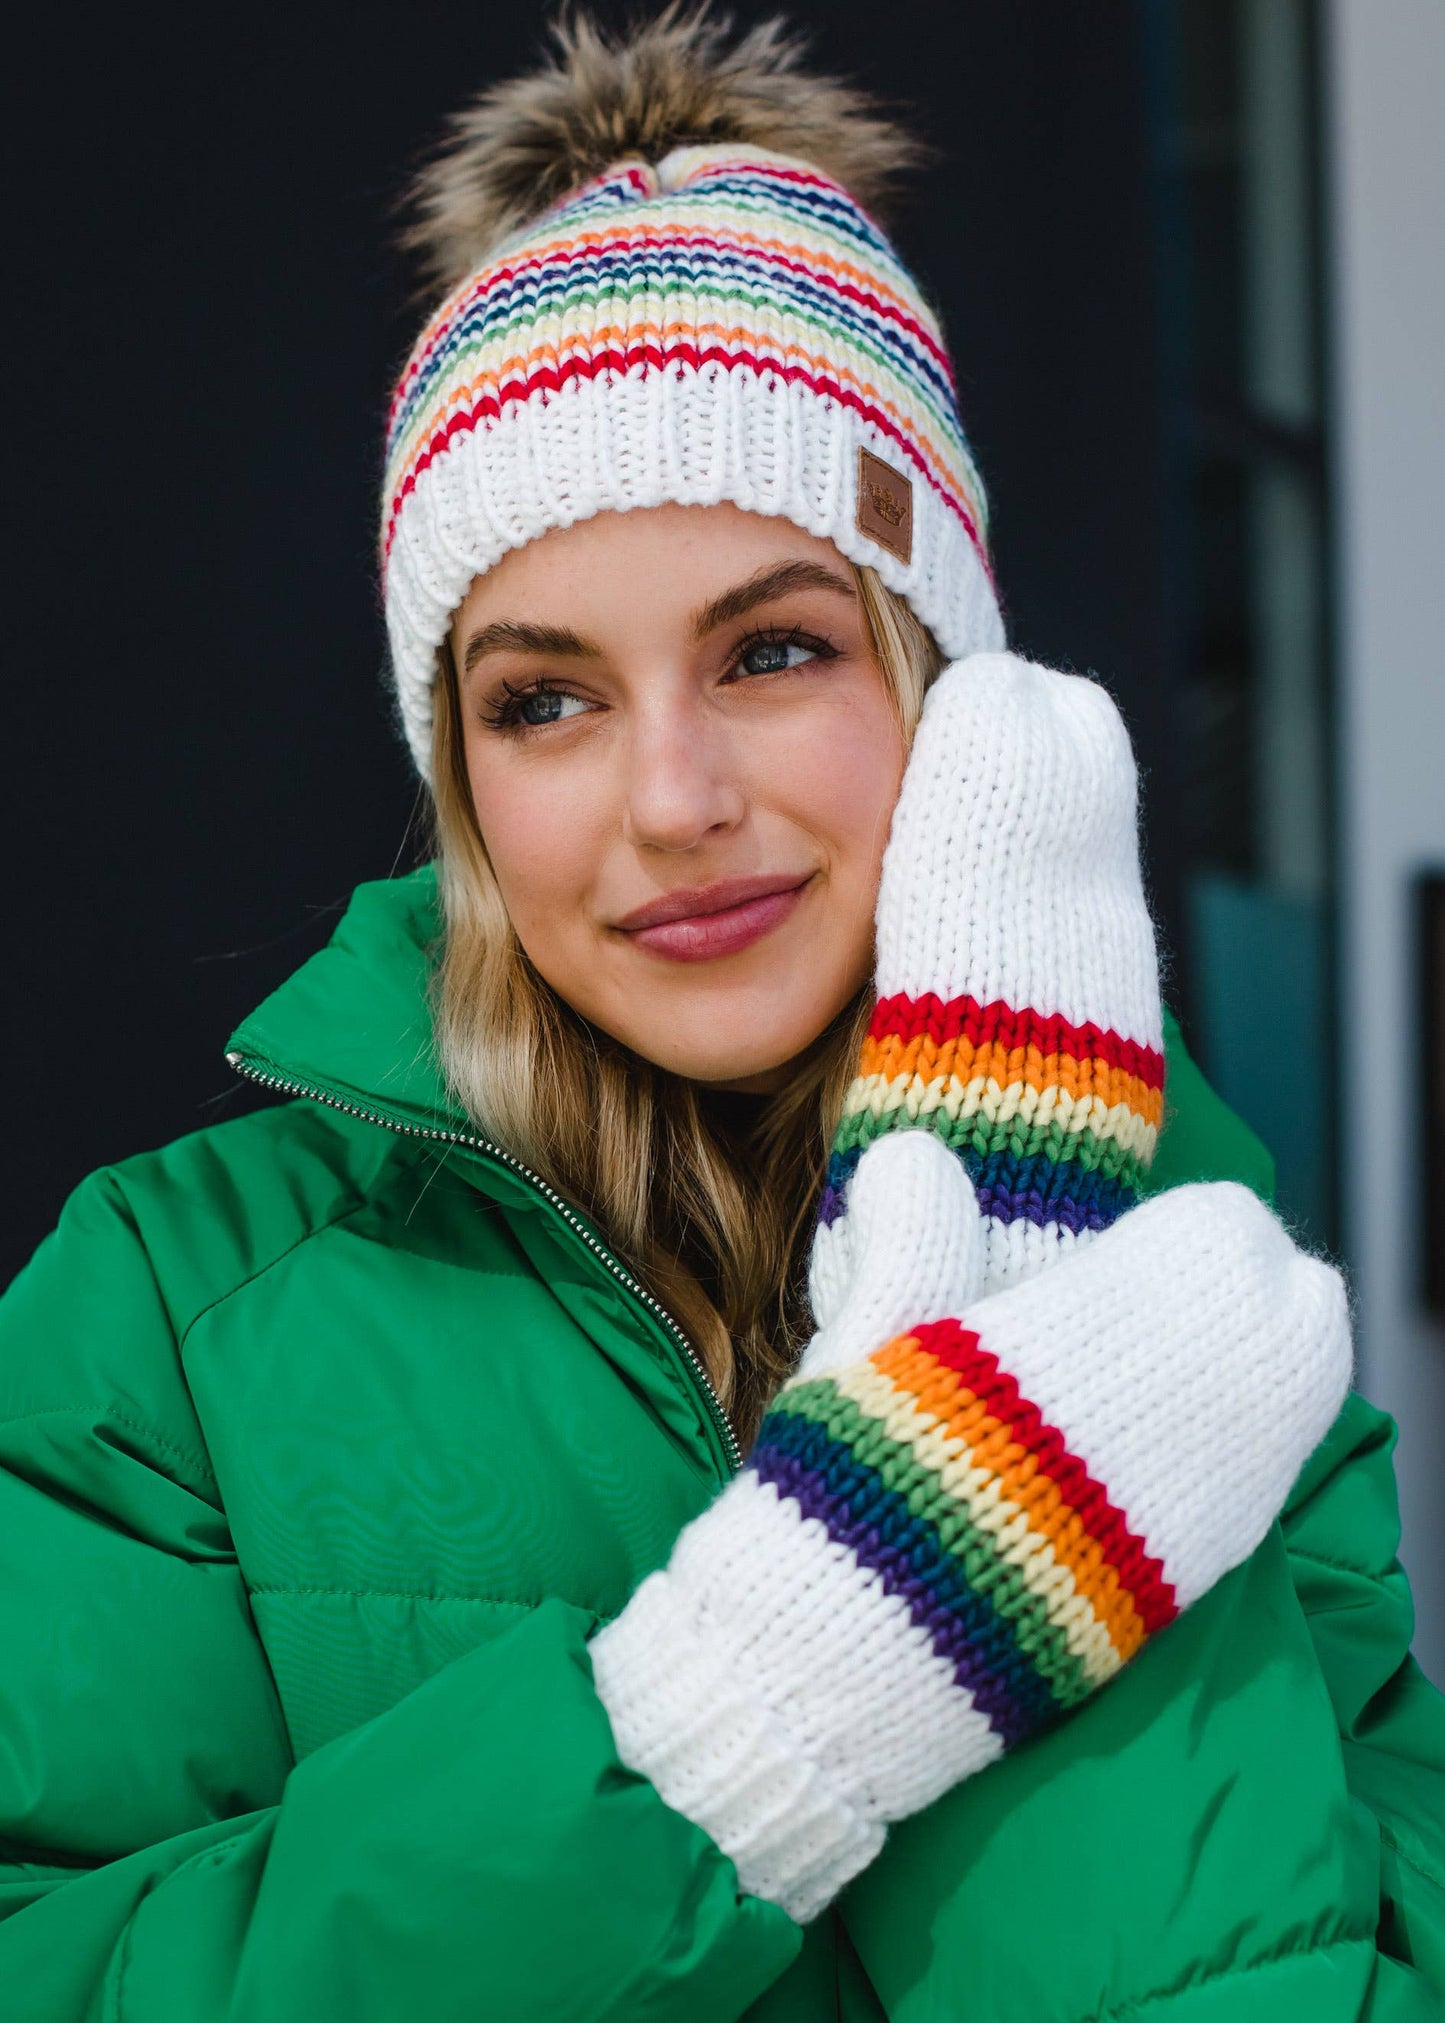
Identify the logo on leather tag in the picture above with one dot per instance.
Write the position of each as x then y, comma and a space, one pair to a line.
885, 505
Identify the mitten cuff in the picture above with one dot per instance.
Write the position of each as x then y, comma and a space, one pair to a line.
685, 1715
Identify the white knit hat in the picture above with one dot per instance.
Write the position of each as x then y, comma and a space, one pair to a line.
725, 324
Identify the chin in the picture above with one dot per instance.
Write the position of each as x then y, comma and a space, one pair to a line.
748, 1077
713, 1062
730, 1042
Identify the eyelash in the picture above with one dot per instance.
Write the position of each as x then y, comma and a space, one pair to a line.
777, 635
505, 715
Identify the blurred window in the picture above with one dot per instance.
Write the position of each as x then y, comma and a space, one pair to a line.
1232, 106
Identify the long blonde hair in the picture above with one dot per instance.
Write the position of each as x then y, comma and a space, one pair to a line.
716, 1229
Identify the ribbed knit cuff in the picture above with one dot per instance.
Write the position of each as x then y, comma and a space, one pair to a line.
686, 1717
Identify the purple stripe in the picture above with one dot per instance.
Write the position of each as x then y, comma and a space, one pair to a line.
1027, 1206
831, 1206
815, 1497
1060, 1210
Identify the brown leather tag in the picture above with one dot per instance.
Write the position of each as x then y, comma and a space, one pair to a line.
885, 505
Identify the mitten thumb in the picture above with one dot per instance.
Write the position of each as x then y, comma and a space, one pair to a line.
910, 1249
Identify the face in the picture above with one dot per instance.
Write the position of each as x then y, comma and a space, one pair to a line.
683, 760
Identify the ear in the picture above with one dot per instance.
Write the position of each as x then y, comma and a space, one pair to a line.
909, 1250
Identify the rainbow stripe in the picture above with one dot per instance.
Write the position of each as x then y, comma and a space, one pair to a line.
1055, 1123
945, 1483
748, 263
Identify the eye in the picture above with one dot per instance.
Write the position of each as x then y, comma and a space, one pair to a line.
547, 706
776, 653
773, 656
531, 708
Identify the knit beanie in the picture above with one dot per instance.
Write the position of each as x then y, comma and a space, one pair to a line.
724, 322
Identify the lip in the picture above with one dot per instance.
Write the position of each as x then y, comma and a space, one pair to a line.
701, 923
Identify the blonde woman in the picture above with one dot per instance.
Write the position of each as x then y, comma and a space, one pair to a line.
676, 1473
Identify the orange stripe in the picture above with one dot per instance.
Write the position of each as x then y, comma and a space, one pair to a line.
628, 333
962, 1416
519, 364
551, 249
932, 1060
811, 257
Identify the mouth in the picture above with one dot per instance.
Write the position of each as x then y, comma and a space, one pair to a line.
701, 923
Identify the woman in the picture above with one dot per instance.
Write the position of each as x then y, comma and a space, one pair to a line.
395, 1628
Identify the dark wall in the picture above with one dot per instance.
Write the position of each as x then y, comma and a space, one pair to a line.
205, 316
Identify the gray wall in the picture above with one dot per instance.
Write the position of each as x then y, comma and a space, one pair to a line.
1385, 169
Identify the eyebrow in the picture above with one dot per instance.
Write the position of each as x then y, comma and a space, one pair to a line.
515, 635
781, 579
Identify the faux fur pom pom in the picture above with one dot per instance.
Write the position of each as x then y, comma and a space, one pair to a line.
680, 78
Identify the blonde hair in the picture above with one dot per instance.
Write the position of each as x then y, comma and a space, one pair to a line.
716, 1229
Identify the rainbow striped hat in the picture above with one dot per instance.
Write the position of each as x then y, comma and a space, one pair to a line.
723, 325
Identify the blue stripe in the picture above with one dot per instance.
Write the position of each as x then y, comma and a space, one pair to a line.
618, 270
829, 1481
1033, 1188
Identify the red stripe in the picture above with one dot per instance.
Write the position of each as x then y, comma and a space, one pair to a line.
552, 378
960, 1350
998, 1024
731, 164
492, 277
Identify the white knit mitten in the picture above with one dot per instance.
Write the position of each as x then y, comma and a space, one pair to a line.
937, 1547
1018, 1013
940, 1544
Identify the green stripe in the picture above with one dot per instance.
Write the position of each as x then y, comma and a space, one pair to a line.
1084, 1149
920, 1488
766, 206
773, 204
808, 221
564, 305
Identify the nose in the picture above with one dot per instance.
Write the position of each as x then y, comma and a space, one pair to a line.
684, 782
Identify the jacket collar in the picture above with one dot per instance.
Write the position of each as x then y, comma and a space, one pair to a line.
354, 1023
353, 1026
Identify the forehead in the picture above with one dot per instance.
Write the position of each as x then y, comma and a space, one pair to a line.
658, 566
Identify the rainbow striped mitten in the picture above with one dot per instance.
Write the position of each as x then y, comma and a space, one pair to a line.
1018, 1014
940, 1545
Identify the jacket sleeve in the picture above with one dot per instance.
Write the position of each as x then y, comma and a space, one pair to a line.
477, 1847
1342, 1529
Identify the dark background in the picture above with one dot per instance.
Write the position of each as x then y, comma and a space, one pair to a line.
206, 312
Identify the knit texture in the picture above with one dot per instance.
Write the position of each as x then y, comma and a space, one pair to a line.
1018, 1016
727, 324
939, 1547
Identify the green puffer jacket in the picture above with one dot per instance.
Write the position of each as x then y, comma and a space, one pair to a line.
328, 1436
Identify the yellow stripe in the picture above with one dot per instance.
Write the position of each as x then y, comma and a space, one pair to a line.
1047, 1107
977, 1492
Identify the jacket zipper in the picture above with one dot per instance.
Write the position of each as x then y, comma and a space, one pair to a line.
619, 1271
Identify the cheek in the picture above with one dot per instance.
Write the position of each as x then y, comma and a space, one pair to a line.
542, 841
839, 776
